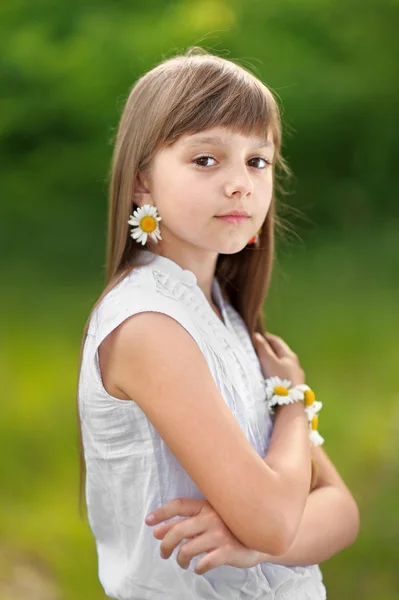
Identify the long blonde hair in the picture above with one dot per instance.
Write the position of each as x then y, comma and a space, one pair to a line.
186, 94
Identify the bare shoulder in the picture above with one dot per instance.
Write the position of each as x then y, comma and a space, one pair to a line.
157, 363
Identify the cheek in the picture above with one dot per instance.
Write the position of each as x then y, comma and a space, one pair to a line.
265, 191
263, 199
186, 195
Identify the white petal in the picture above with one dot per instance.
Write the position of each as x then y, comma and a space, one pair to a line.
281, 399
309, 413
297, 394
269, 385
272, 381
155, 235
137, 233
313, 409
303, 387
140, 235
316, 438
286, 383
276, 381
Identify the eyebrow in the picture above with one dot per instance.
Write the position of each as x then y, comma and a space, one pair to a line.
218, 141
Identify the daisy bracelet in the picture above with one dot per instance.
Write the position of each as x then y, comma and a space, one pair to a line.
279, 391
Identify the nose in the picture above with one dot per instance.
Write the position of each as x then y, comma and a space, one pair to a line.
238, 182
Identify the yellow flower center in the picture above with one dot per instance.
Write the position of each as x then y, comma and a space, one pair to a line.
309, 397
315, 422
281, 390
148, 224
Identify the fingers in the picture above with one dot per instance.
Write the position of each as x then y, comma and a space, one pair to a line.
187, 528
210, 561
262, 345
160, 531
179, 507
199, 530
280, 347
273, 345
198, 545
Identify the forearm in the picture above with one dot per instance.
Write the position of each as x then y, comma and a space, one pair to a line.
288, 455
330, 523
289, 448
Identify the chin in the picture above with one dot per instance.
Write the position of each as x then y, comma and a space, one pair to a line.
232, 248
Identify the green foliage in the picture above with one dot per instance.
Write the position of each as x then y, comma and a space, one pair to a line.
67, 69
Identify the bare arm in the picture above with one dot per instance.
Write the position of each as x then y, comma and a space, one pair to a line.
330, 521
289, 456
157, 364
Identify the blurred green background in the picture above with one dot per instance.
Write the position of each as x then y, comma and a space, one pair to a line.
66, 70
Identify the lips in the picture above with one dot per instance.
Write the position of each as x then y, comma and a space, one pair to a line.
233, 218
235, 213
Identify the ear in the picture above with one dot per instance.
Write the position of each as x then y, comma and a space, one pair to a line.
141, 191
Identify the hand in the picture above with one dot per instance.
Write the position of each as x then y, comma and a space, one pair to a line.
208, 533
277, 359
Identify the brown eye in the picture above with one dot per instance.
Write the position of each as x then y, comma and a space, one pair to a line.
257, 158
202, 160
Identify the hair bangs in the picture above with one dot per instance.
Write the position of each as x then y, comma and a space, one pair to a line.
218, 97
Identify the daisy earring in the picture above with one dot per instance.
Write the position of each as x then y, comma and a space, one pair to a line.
145, 221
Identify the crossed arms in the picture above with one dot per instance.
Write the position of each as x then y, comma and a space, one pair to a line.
330, 521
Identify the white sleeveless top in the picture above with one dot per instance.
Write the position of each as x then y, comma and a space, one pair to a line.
130, 471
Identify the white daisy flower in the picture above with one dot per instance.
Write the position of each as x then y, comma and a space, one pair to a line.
312, 406
316, 438
313, 409
145, 223
279, 391
314, 435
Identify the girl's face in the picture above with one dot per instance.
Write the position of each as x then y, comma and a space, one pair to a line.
207, 174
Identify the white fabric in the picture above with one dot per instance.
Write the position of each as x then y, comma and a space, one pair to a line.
131, 471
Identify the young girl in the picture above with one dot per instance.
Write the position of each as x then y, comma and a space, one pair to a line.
180, 403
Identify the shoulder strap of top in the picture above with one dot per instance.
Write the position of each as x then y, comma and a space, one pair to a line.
137, 293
